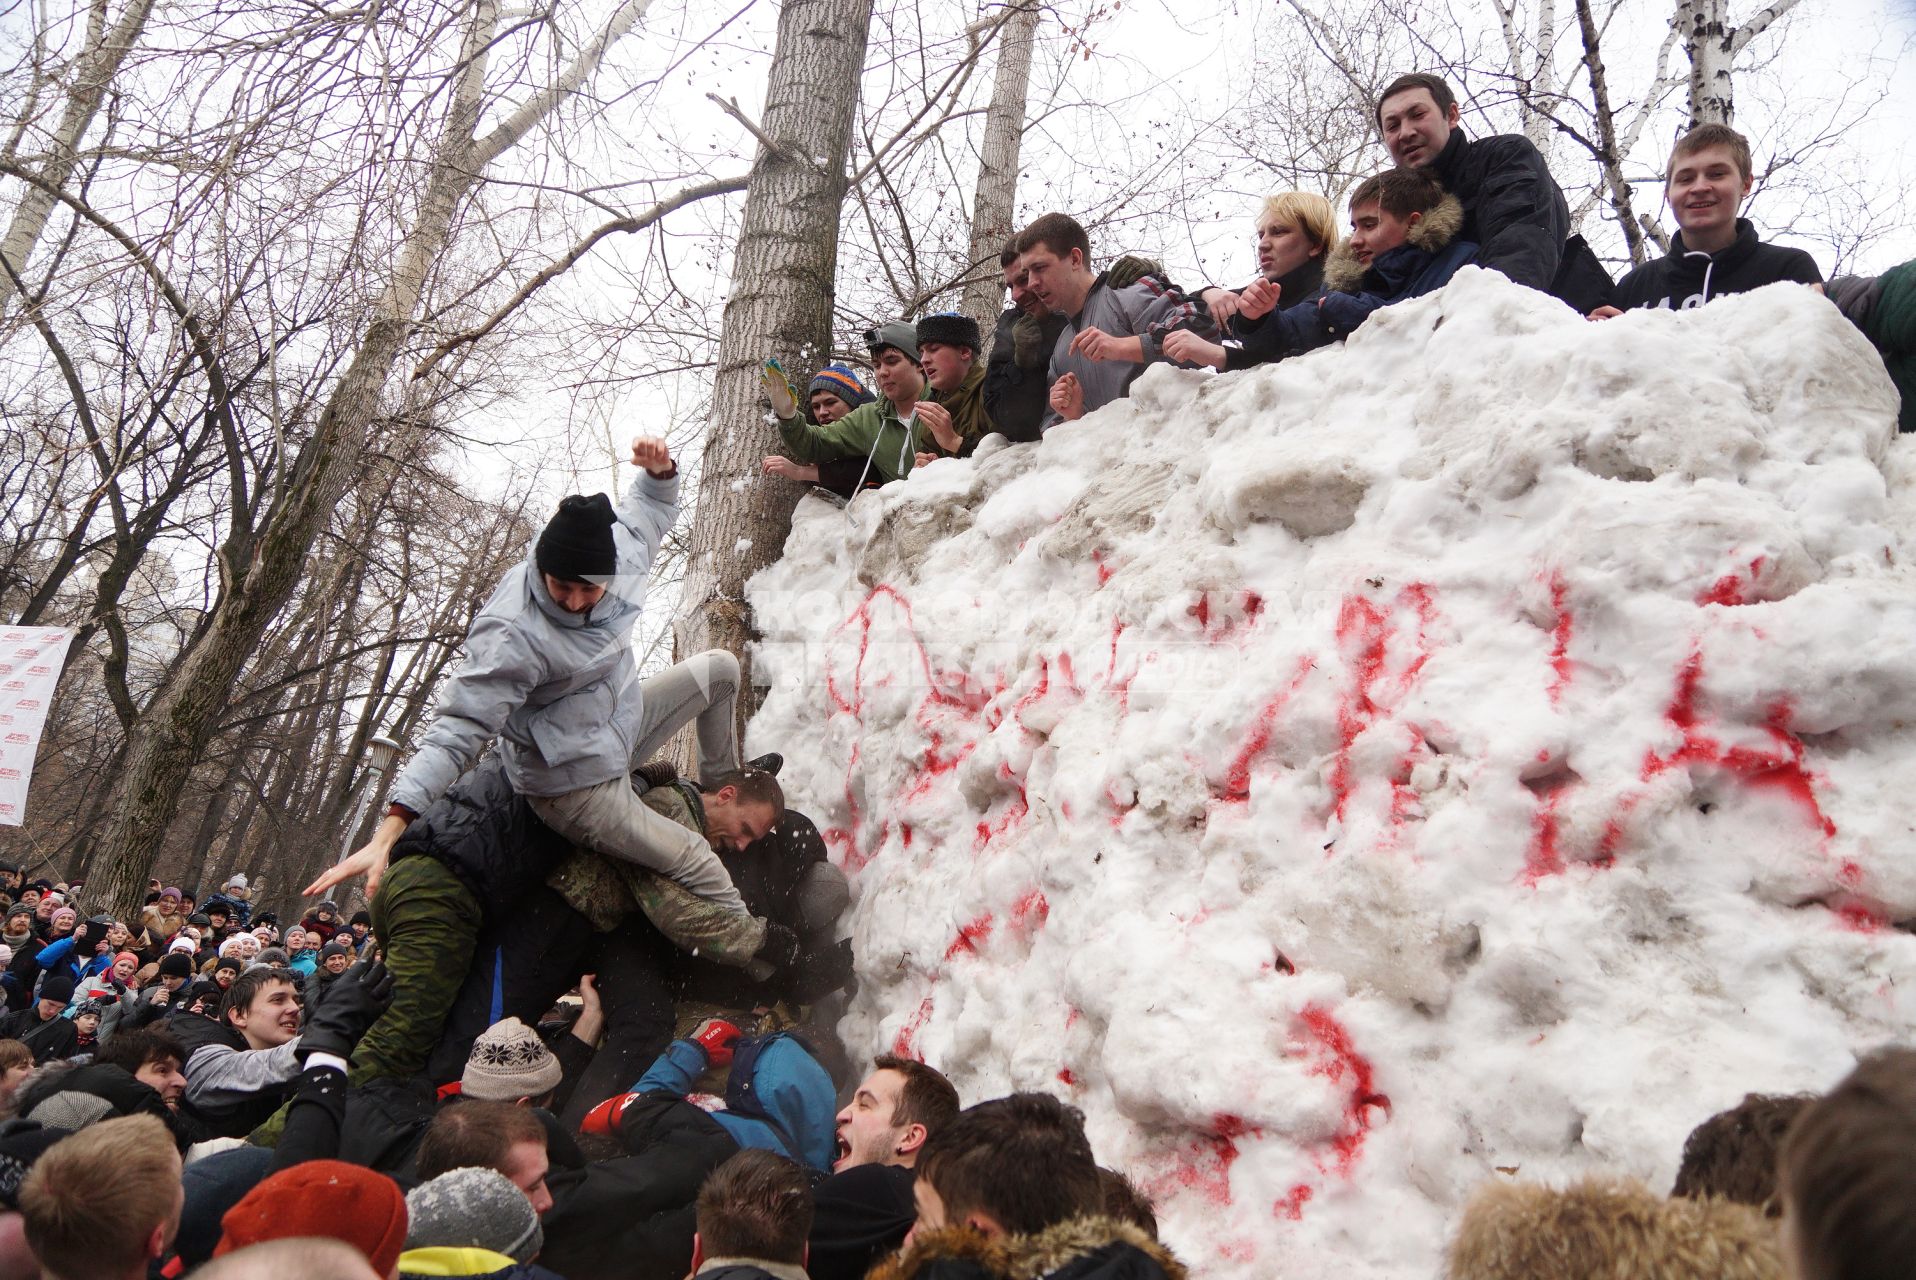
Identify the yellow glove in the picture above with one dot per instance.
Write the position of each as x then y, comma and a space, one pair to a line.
778, 390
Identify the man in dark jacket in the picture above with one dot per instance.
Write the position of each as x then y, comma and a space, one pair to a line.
1017, 392
952, 419
1513, 209
39, 1026
1714, 252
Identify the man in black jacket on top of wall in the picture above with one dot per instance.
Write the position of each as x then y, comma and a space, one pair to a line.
1513, 208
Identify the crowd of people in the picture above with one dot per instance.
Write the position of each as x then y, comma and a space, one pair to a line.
1074, 339
584, 1028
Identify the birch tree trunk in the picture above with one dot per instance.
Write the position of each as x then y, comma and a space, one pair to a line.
780, 304
86, 86
1712, 45
171, 735
993, 205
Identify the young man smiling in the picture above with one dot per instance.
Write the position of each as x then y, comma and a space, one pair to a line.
1714, 252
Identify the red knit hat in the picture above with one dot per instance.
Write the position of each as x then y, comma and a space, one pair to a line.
322, 1198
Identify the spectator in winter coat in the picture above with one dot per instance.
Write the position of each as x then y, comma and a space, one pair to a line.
952, 418
16, 1064
782, 1103
164, 919
153, 1057
471, 1222
360, 929
1513, 208
835, 391
1296, 232
864, 1210
40, 1025
874, 438
1110, 334
754, 1214
324, 920
1403, 245
1884, 308
1714, 252
1009, 1188
235, 899
490, 1135
302, 951
334, 958
236, 1080
1017, 388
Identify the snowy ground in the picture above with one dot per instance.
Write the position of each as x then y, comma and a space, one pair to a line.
1478, 751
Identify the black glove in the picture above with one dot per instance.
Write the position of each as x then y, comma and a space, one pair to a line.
780, 947
821, 971
347, 1010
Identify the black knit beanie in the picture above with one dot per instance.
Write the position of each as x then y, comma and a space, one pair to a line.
577, 545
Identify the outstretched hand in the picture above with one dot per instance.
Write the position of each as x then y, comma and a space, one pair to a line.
653, 454
778, 389
370, 861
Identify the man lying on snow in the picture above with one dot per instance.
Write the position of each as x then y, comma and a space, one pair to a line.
549, 671
1404, 244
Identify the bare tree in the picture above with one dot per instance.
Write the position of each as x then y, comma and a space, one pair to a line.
992, 207
1713, 45
780, 303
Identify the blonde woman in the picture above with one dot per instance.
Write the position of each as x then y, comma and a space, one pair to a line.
1296, 230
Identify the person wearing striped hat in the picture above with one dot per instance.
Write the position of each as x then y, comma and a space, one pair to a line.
835, 392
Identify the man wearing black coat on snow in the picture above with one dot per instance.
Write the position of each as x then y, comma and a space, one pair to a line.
1017, 390
1513, 209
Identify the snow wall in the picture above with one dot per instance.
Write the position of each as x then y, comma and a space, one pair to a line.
1480, 750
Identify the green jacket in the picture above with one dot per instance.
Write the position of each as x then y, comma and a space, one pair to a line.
1884, 308
605, 891
870, 431
966, 404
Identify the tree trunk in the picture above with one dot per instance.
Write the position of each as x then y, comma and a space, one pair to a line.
171, 734
91, 73
780, 304
994, 204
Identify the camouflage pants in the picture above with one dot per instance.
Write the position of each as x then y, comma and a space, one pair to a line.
427, 922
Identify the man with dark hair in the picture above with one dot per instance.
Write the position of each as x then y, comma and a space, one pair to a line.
1513, 208
1732, 1155
489, 1135
875, 439
1110, 333
1714, 251
1847, 1174
1017, 390
1010, 1189
952, 419
754, 1212
151, 1056
1011, 1166
865, 1209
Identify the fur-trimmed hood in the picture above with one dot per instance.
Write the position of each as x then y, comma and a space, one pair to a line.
958, 1253
1609, 1226
1343, 273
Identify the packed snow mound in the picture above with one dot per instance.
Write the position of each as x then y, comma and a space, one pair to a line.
1477, 751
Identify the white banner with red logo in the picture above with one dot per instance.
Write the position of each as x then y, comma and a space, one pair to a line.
30, 662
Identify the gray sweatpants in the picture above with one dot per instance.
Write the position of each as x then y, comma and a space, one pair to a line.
611, 819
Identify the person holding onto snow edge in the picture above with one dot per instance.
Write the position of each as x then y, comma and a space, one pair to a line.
1404, 243
876, 437
1714, 252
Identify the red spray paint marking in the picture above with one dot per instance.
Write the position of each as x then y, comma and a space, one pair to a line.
970, 934
1237, 1250
1071, 1016
1291, 1205
1207, 1170
1560, 636
1780, 769
903, 1046
1237, 778
1066, 1078
1732, 588
1120, 806
1361, 631
1030, 912
1850, 874
1202, 611
1105, 571
1858, 917
1544, 858
1340, 1062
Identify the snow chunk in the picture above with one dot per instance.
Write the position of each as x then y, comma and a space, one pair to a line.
1479, 745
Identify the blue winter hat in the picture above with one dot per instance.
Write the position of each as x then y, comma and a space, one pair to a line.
839, 380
